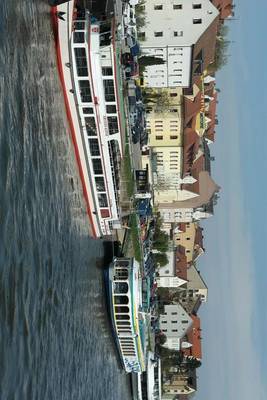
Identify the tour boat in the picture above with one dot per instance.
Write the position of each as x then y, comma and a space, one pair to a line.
124, 300
88, 64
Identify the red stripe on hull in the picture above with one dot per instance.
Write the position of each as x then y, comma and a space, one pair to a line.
69, 117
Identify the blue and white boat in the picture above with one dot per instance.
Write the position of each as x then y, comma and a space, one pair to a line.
124, 299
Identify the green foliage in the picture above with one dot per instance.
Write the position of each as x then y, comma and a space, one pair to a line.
135, 236
161, 259
159, 100
140, 15
128, 172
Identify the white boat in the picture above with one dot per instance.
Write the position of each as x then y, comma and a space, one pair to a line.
89, 71
124, 300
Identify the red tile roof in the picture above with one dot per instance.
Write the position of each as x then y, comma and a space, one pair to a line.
182, 226
199, 237
194, 337
197, 167
191, 146
181, 263
224, 6
206, 44
192, 108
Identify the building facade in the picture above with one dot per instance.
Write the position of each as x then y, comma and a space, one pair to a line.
172, 28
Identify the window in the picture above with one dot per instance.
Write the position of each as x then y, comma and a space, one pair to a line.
164, 330
188, 238
174, 330
111, 109
78, 37
197, 6
177, 6
123, 309
106, 71
121, 299
174, 313
113, 125
173, 94
121, 287
100, 184
102, 200
197, 21
94, 147
158, 34
79, 25
174, 322
187, 251
184, 321
173, 137
164, 322
109, 90
159, 137
178, 33
88, 110
173, 110
85, 91
97, 166
90, 126
81, 62
158, 7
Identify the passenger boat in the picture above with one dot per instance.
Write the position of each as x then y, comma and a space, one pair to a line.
124, 301
88, 65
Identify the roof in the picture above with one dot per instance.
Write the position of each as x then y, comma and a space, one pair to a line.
197, 167
194, 337
199, 237
181, 263
192, 107
224, 6
206, 45
182, 226
191, 146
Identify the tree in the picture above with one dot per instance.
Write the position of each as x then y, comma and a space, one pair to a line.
159, 100
161, 259
161, 338
140, 15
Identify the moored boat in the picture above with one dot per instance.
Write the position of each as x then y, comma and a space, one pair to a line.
86, 56
124, 301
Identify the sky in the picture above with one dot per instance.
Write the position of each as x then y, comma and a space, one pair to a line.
234, 321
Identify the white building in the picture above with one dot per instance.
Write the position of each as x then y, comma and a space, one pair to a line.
170, 281
172, 28
174, 323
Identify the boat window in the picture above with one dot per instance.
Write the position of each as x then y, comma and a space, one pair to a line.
111, 109
81, 62
88, 110
121, 274
113, 125
123, 309
79, 25
100, 184
107, 71
122, 317
121, 300
102, 200
121, 287
97, 166
94, 147
123, 323
109, 90
90, 126
78, 37
85, 91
